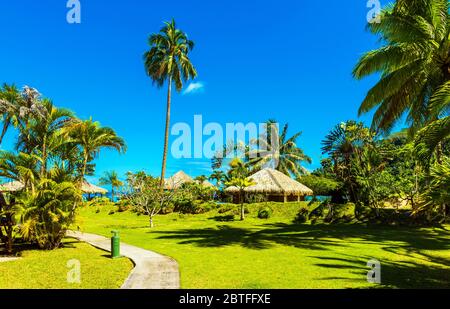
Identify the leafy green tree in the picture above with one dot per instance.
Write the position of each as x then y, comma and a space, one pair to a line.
320, 185
145, 194
436, 199
345, 144
168, 61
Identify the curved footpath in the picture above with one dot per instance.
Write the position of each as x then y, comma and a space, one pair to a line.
151, 271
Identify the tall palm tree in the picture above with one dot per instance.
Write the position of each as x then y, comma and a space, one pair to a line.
168, 61
111, 179
91, 137
413, 63
278, 151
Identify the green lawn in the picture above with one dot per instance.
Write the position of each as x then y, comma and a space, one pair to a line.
275, 253
48, 269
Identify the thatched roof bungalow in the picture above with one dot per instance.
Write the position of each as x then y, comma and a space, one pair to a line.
177, 180
276, 186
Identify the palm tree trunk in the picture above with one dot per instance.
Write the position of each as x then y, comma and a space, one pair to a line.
6, 123
166, 134
44, 157
83, 171
242, 206
439, 152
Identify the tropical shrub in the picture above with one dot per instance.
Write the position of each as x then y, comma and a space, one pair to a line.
99, 202
46, 214
123, 205
320, 185
223, 208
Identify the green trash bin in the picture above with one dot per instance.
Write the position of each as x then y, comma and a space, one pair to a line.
115, 245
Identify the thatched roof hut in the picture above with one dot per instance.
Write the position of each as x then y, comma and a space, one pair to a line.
89, 188
177, 180
12, 186
207, 184
275, 185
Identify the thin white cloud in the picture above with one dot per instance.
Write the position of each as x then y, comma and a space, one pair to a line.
194, 88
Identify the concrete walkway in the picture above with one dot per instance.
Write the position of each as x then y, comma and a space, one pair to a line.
151, 271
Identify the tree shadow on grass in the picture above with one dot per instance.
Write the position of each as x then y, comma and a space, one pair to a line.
225, 218
400, 274
419, 269
225, 235
314, 237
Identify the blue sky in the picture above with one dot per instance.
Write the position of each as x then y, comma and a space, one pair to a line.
289, 60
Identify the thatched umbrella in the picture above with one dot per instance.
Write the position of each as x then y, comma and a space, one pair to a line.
89, 188
86, 187
273, 183
177, 180
207, 184
12, 186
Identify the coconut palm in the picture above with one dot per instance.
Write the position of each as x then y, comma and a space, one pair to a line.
278, 151
45, 134
91, 138
111, 179
413, 63
168, 61
218, 176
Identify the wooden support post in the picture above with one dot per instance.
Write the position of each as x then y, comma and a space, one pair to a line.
285, 198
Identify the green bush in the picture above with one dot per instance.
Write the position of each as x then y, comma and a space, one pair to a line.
168, 209
265, 213
123, 205
226, 208
99, 202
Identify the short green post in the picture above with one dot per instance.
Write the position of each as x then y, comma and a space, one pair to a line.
115, 245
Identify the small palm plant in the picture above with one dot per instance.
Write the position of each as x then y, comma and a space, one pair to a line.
46, 215
238, 177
